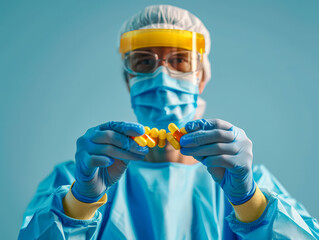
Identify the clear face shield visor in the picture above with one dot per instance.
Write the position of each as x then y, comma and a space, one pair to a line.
179, 51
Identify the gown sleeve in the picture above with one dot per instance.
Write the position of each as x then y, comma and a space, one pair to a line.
45, 217
283, 218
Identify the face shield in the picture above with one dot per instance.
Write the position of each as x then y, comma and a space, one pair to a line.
179, 51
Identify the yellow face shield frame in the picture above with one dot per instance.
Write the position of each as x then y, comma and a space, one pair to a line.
144, 38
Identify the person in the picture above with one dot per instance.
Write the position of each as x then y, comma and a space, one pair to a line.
209, 189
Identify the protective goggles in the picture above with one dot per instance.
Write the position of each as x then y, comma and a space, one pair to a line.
185, 55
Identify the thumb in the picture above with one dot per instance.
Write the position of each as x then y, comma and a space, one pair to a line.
126, 128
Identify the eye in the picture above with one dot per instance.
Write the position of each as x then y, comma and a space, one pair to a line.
143, 64
177, 60
143, 61
180, 58
180, 62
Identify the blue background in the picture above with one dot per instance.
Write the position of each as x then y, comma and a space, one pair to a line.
61, 74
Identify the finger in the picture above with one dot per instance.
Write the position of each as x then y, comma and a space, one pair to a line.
207, 124
88, 163
223, 160
126, 128
114, 152
100, 161
119, 140
211, 150
217, 173
201, 137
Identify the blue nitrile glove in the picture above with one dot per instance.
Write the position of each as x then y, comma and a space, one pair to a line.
102, 156
227, 153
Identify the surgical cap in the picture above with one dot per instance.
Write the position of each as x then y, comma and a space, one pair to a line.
170, 17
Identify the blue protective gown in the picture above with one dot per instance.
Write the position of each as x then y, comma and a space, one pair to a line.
165, 201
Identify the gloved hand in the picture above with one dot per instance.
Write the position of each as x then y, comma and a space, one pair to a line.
102, 156
227, 153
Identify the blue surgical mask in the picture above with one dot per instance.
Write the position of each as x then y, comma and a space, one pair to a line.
159, 99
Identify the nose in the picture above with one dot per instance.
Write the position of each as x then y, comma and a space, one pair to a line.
161, 62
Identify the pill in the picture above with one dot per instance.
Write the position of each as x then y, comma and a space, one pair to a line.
175, 131
154, 135
162, 138
173, 141
140, 140
183, 130
150, 142
147, 130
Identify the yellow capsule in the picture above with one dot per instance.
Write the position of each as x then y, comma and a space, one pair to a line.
147, 130
162, 138
183, 130
140, 140
150, 142
154, 134
173, 141
175, 131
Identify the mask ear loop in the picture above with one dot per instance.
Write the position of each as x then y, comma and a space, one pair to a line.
201, 73
201, 70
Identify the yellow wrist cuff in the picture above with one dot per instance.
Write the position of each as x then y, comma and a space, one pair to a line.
252, 209
80, 210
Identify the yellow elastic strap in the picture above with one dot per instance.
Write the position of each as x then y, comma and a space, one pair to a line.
162, 38
80, 210
252, 209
